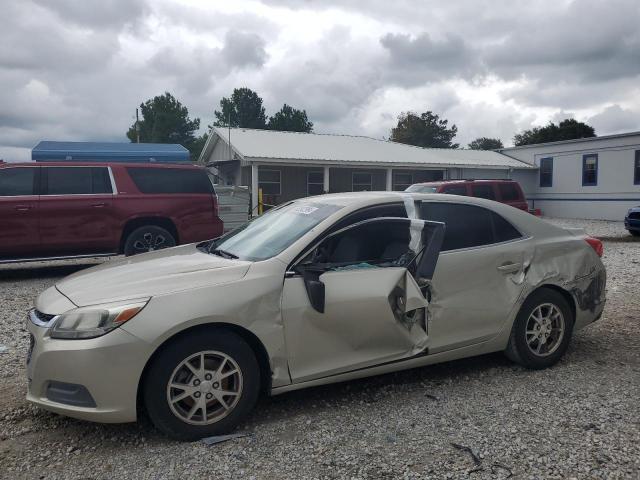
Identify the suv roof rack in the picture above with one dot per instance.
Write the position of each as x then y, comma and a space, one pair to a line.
491, 179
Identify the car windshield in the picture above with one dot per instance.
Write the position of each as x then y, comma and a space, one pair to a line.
269, 234
421, 189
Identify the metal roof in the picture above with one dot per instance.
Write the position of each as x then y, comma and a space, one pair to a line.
253, 145
110, 151
573, 140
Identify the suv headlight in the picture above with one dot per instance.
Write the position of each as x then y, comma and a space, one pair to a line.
96, 320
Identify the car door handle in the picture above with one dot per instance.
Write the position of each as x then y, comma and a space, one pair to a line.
23, 208
97, 205
510, 267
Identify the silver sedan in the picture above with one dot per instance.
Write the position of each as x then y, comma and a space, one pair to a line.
319, 290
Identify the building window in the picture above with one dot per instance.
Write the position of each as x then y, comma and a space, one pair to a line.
546, 172
636, 169
590, 170
402, 181
269, 181
315, 183
361, 181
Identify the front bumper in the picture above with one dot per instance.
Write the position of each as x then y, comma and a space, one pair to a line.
108, 369
631, 223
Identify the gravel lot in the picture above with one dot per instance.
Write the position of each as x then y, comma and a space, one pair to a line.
580, 419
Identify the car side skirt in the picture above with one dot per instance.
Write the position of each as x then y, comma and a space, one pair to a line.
494, 345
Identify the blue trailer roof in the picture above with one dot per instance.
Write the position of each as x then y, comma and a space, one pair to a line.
110, 152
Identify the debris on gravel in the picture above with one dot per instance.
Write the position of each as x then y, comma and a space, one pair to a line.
476, 418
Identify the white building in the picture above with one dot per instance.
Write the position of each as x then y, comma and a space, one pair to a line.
288, 165
594, 178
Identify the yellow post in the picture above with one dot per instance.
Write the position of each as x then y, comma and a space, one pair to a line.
259, 201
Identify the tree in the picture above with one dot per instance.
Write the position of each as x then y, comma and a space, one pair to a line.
166, 120
426, 130
244, 109
566, 130
484, 143
198, 145
290, 119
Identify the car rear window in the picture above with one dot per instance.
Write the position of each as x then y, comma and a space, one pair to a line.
468, 226
509, 192
16, 181
76, 180
170, 180
483, 191
455, 190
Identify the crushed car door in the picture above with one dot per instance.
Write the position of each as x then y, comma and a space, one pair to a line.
359, 297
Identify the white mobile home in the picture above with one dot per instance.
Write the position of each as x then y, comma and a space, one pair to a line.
594, 178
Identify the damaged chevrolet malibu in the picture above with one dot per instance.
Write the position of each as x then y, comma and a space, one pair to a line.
319, 290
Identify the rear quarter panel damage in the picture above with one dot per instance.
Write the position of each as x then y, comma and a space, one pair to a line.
569, 263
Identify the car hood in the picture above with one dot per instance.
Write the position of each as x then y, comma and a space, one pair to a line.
150, 274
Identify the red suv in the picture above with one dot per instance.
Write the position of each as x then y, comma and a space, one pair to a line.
69, 209
503, 191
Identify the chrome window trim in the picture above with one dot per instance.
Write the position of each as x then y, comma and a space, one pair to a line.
114, 190
488, 245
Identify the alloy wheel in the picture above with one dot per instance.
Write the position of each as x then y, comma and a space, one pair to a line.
149, 242
204, 388
545, 329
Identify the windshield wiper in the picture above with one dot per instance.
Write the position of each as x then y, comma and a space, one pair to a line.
223, 253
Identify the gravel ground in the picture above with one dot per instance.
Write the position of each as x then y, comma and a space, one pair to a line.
475, 418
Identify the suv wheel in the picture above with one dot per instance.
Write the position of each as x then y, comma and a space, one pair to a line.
148, 238
202, 384
542, 330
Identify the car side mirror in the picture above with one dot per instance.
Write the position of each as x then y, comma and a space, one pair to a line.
314, 287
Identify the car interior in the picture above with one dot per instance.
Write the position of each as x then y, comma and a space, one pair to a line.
372, 243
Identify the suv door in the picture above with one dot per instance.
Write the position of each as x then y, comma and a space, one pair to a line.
18, 211
77, 215
479, 275
343, 310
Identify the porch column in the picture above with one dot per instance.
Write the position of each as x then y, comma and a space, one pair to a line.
389, 186
325, 184
254, 189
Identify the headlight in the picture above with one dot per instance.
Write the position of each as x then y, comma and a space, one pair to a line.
96, 320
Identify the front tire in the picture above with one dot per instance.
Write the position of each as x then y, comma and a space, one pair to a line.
635, 233
542, 330
202, 384
147, 239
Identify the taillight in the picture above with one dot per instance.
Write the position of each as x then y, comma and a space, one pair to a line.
596, 245
216, 205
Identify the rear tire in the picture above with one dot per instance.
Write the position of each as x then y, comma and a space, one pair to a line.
147, 239
230, 366
542, 330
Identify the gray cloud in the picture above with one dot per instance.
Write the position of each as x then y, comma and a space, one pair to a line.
615, 119
77, 70
243, 49
414, 60
100, 14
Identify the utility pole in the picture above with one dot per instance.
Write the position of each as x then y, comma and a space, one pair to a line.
229, 133
137, 128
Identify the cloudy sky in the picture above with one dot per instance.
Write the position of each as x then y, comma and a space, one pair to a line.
77, 69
